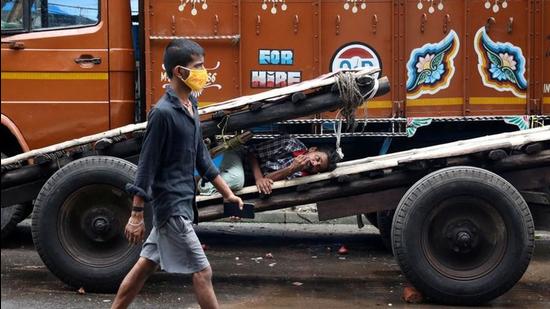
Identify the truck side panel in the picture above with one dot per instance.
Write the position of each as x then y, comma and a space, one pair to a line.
446, 58
545, 38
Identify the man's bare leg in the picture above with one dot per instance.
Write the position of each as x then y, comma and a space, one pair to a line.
133, 282
204, 291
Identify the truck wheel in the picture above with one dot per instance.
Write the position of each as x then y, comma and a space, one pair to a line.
12, 215
79, 220
463, 235
384, 219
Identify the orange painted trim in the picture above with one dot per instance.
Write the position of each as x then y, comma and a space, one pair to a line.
15, 131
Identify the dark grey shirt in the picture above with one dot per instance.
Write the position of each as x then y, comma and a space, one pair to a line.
172, 148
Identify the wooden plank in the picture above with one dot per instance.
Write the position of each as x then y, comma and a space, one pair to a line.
327, 191
503, 140
333, 196
359, 204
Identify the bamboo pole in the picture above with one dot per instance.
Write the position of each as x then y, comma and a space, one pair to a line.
239, 120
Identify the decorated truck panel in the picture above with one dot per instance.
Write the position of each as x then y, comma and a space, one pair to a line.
69, 67
444, 58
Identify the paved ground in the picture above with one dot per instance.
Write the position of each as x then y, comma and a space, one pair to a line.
305, 272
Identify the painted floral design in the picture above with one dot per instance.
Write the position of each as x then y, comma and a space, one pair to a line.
414, 123
433, 71
431, 67
501, 65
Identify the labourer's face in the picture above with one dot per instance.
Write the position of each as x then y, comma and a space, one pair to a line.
197, 62
318, 161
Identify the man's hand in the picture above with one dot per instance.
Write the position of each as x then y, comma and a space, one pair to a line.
264, 185
234, 199
299, 163
135, 229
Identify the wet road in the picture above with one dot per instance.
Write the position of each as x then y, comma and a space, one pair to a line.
305, 272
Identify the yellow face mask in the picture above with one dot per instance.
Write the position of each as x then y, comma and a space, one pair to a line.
196, 80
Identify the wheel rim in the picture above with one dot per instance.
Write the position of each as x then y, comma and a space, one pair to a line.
92, 221
464, 238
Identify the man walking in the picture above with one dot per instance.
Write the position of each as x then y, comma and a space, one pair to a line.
172, 149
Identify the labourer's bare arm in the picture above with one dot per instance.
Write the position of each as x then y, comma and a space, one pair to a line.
262, 183
297, 165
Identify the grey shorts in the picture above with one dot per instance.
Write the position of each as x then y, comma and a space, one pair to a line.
176, 247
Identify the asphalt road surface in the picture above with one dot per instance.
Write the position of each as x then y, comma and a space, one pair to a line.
304, 272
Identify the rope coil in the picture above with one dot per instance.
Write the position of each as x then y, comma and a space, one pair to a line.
352, 98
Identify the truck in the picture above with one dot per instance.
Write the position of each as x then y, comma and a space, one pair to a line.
458, 70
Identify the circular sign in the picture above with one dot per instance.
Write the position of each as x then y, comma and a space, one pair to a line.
355, 56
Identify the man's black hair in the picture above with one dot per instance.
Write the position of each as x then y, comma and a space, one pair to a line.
180, 52
332, 157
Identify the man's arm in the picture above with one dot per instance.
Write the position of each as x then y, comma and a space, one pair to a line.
298, 164
262, 183
226, 192
150, 155
282, 173
149, 160
208, 171
205, 166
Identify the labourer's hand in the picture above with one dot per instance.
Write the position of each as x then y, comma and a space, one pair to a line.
135, 229
264, 185
234, 199
299, 163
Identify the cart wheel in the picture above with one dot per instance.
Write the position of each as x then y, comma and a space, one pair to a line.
79, 220
12, 215
463, 235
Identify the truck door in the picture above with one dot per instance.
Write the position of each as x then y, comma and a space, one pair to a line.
498, 50
280, 43
55, 82
434, 58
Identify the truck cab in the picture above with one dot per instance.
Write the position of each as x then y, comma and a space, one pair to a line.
67, 70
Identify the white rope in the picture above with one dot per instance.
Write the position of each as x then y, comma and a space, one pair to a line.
337, 128
352, 98
338, 138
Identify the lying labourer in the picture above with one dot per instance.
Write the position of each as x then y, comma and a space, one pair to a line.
286, 158
281, 158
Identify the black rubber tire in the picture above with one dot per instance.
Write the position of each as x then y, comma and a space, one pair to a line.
11, 216
63, 223
384, 219
461, 195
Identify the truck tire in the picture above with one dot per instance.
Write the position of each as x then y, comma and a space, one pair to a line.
384, 219
12, 215
79, 220
463, 235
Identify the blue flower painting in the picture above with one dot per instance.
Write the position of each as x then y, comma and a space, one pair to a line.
501, 65
431, 67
